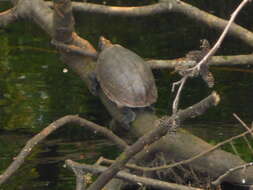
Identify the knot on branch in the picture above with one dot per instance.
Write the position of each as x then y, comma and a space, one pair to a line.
169, 122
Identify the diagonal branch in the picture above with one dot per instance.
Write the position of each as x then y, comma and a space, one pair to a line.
197, 156
221, 178
51, 128
202, 66
162, 126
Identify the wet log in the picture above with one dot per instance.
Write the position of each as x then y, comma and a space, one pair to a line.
183, 145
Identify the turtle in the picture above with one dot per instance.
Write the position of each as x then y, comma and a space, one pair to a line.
125, 78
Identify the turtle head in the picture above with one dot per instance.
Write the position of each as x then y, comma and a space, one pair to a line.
103, 43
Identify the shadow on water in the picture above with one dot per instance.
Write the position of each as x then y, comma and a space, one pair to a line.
35, 91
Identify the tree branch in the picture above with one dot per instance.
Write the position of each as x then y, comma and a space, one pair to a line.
51, 128
7, 17
161, 128
225, 60
129, 177
222, 36
167, 6
221, 178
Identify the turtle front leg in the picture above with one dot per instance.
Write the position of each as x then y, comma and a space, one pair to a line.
123, 120
93, 84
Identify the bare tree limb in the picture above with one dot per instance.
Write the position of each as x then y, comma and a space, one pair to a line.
176, 100
221, 178
161, 128
232, 60
225, 60
212, 21
135, 167
242, 123
206, 153
222, 36
167, 6
202, 66
48, 26
129, 177
51, 128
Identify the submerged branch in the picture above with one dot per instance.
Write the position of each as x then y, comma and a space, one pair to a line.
221, 178
196, 156
201, 68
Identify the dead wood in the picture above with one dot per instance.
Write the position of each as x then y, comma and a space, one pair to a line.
167, 6
128, 177
20, 158
230, 60
161, 127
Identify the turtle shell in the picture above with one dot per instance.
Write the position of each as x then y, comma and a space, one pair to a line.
125, 77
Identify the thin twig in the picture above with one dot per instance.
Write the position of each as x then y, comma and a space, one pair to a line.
242, 122
221, 60
161, 128
100, 160
196, 68
146, 169
244, 166
231, 170
221, 38
200, 154
176, 100
192, 111
130, 177
51, 128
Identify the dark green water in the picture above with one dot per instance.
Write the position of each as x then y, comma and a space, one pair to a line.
35, 91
